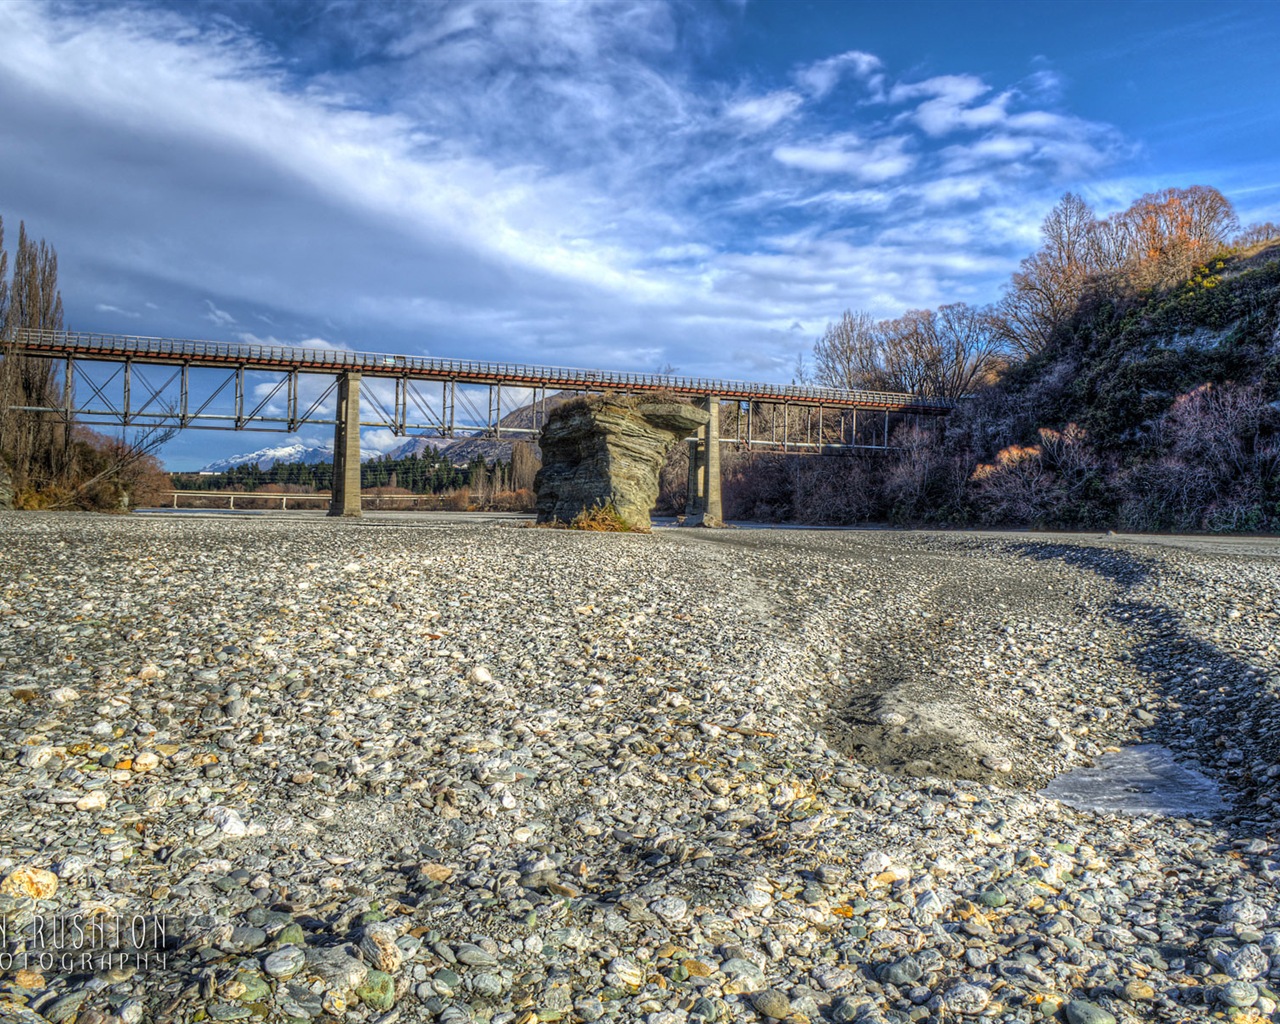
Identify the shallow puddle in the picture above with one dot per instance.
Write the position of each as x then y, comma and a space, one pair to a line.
1143, 779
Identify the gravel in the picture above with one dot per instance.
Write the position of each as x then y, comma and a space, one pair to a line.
405, 769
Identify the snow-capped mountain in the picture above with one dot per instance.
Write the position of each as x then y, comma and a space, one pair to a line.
299, 451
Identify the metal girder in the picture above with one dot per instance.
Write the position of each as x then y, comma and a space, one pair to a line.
246, 397
111, 347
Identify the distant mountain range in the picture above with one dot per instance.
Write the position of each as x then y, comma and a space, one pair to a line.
308, 454
458, 450
415, 446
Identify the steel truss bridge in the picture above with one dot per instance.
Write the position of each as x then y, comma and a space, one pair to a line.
127, 381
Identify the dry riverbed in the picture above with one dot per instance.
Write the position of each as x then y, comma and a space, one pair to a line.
414, 769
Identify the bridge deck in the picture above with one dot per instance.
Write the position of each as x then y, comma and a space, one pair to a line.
226, 355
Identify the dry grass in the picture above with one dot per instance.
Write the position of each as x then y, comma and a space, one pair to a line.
601, 519
597, 519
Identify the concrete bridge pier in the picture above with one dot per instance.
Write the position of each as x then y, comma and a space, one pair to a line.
693, 500
345, 500
702, 507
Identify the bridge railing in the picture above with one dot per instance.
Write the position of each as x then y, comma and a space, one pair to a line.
88, 344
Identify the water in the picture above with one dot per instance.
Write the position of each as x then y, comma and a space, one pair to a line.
1143, 779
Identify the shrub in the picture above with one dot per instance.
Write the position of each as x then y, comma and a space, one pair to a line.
457, 500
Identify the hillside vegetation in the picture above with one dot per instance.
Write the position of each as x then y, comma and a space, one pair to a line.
1155, 411
1129, 378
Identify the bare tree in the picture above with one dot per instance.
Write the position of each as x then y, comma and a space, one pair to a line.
1045, 291
849, 354
910, 351
524, 465
129, 467
34, 299
1254, 234
1174, 230
4, 289
970, 353
944, 353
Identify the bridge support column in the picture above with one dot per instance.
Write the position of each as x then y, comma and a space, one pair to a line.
708, 512
692, 502
345, 500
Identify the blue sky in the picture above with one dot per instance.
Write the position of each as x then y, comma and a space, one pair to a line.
617, 185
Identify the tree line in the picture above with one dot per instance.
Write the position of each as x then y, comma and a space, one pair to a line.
428, 472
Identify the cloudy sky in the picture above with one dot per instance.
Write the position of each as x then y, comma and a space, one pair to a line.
615, 185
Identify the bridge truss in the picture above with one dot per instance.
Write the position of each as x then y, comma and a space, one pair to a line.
140, 382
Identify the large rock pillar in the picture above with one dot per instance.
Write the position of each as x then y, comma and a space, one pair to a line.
345, 499
599, 452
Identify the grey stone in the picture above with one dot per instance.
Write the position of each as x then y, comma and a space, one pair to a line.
1081, 1011
1247, 963
1238, 993
474, 956
901, 972
379, 946
848, 1009
967, 999
772, 1003
337, 968
69, 1005
284, 962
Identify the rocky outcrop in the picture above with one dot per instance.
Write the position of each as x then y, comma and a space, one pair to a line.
608, 451
6, 486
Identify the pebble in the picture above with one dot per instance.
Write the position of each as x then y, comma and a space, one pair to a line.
378, 991
1247, 963
379, 946
966, 999
1238, 993
37, 883
772, 1004
284, 962
678, 804
1081, 1011
902, 972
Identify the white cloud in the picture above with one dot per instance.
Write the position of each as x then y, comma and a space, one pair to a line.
249, 338
217, 317
765, 111
846, 154
957, 89
688, 251
104, 307
947, 106
820, 77
379, 440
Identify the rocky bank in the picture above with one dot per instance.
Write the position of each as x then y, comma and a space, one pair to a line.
403, 770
